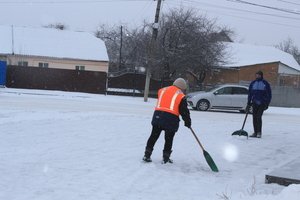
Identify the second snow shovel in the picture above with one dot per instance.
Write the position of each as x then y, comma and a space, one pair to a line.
208, 158
242, 131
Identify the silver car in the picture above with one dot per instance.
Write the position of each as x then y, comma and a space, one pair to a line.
225, 97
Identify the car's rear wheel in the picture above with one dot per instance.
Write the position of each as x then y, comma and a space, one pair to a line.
203, 105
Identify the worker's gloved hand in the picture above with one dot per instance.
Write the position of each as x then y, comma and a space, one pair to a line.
247, 108
249, 104
266, 106
188, 123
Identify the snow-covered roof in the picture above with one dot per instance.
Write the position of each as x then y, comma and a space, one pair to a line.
49, 42
245, 54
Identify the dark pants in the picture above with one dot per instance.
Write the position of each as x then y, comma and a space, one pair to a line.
155, 133
258, 111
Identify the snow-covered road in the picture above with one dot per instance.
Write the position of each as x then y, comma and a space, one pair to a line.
57, 145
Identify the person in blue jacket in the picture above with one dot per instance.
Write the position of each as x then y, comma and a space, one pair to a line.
259, 98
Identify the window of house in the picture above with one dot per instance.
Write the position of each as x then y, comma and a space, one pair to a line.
23, 63
80, 67
281, 82
43, 65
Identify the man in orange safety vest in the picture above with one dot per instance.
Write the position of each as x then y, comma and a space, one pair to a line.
171, 103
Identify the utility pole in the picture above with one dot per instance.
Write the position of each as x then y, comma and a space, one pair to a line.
12, 40
120, 53
150, 60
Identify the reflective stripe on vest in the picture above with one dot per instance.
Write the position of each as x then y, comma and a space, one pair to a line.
169, 99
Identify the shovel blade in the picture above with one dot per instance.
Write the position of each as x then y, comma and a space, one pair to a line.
240, 133
210, 161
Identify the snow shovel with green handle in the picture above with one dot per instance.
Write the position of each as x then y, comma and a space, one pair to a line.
208, 158
241, 131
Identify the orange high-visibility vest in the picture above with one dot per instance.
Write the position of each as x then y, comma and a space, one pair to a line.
169, 99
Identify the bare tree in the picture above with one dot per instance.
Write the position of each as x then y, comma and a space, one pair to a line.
289, 46
186, 43
189, 43
111, 36
134, 45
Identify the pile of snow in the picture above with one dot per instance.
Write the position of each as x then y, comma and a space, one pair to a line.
60, 145
122, 90
291, 192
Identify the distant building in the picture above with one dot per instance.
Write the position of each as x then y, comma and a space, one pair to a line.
221, 36
52, 48
280, 68
46, 58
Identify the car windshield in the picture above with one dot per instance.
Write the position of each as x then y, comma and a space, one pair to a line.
211, 89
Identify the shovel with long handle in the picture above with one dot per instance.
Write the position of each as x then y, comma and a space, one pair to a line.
207, 157
241, 131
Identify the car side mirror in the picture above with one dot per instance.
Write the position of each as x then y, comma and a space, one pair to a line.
216, 93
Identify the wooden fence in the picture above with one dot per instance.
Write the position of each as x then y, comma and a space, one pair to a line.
130, 84
56, 79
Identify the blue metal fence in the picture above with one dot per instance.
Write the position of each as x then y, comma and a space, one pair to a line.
2, 73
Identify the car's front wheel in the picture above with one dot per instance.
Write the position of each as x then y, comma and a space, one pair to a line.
202, 105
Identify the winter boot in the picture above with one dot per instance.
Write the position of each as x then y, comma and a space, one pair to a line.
147, 159
253, 135
258, 135
147, 156
165, 161
166, 157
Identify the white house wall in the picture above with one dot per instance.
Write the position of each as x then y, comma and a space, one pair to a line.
283, 69
60, 63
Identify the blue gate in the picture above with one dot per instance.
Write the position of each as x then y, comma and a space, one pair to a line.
2, 73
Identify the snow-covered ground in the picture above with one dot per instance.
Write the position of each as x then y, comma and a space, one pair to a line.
58, 145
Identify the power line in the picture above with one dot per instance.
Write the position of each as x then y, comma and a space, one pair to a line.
241, 10
65, 2
264, 6
289, 2
240, 17
263, 21
143, 11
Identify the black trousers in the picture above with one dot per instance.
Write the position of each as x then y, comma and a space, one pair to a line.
258, 111
155, 133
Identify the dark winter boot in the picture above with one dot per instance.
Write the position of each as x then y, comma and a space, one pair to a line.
165, 161
258, 135
147, 156
166, 157
253, 135
147, 159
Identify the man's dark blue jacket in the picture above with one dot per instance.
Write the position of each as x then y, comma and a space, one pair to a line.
260, 92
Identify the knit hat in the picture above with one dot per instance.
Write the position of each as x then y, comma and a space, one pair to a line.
180, 83
260, 73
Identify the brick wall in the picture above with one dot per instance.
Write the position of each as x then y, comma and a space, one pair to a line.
221, 76
243, 74
270, 71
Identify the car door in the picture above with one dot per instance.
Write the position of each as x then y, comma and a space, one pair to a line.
222, 97
239, 97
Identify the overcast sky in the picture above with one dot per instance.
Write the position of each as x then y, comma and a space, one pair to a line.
252, 24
